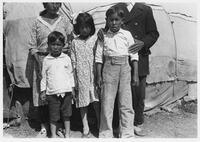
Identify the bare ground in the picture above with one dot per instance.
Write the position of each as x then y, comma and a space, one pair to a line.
182, 123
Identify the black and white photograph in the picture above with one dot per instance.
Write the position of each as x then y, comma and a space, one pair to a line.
67, 74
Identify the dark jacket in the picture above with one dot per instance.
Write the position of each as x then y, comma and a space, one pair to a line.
140, 22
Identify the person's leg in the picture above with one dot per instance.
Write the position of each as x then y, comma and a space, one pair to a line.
126, 112
44, 114
53, 129
139, 96
110, 85
96, 106
66, 111
54, 112
67, 127
84, 111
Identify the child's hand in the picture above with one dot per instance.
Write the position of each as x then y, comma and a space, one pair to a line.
43, 96
100, 35
135, 81
135, 48
99, 82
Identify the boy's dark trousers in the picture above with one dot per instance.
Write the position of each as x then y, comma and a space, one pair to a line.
138, 96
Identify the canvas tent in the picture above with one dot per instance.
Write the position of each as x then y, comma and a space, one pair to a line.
173, 63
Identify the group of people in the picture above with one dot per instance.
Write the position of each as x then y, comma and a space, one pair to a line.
92, 68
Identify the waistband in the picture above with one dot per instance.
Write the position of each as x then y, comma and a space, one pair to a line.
116, 57
118, 60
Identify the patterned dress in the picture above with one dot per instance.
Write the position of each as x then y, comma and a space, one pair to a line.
40, 31
83, 60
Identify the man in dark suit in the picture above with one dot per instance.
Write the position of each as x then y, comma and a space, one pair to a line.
140, 22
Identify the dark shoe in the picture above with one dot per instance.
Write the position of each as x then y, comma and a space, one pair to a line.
139, 132
86, 135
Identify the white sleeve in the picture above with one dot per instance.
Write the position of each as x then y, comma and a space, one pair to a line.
99, 52
134, 56
130, 39
131, 42
43, 82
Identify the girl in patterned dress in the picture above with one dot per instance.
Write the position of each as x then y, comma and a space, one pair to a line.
83, 60
48, 21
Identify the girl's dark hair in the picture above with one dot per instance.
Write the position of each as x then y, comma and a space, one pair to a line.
84, 19
54, 36
115, 9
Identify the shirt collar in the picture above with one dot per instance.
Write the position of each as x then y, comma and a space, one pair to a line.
110, 32
130, 6
51, 57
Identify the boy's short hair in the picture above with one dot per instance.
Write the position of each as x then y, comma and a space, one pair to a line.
115, 9
54, 36
84, 19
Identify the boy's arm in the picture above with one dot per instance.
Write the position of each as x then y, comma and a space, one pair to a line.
99, 62
99, 75
135, 77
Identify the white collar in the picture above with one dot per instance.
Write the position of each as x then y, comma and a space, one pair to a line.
51, 27
120, 31
62, 55
130, 6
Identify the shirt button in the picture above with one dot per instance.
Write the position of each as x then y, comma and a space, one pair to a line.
136, 23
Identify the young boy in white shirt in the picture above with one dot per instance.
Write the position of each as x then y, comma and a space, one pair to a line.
57, 83
114, 74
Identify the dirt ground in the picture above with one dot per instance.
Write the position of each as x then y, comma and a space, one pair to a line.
181, 123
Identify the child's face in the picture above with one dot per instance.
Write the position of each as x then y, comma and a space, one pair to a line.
52, 7
55, 48
84, 31
114, 22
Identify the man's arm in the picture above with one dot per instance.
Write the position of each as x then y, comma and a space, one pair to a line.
151, 30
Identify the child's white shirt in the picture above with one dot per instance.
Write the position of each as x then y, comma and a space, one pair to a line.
57, 75
115, 44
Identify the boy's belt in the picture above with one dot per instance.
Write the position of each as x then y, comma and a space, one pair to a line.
117, 60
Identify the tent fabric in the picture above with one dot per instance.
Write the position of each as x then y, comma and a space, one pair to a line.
18, 62
165, 93
185, 29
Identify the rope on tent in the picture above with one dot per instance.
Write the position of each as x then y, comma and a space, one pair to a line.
182, 16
